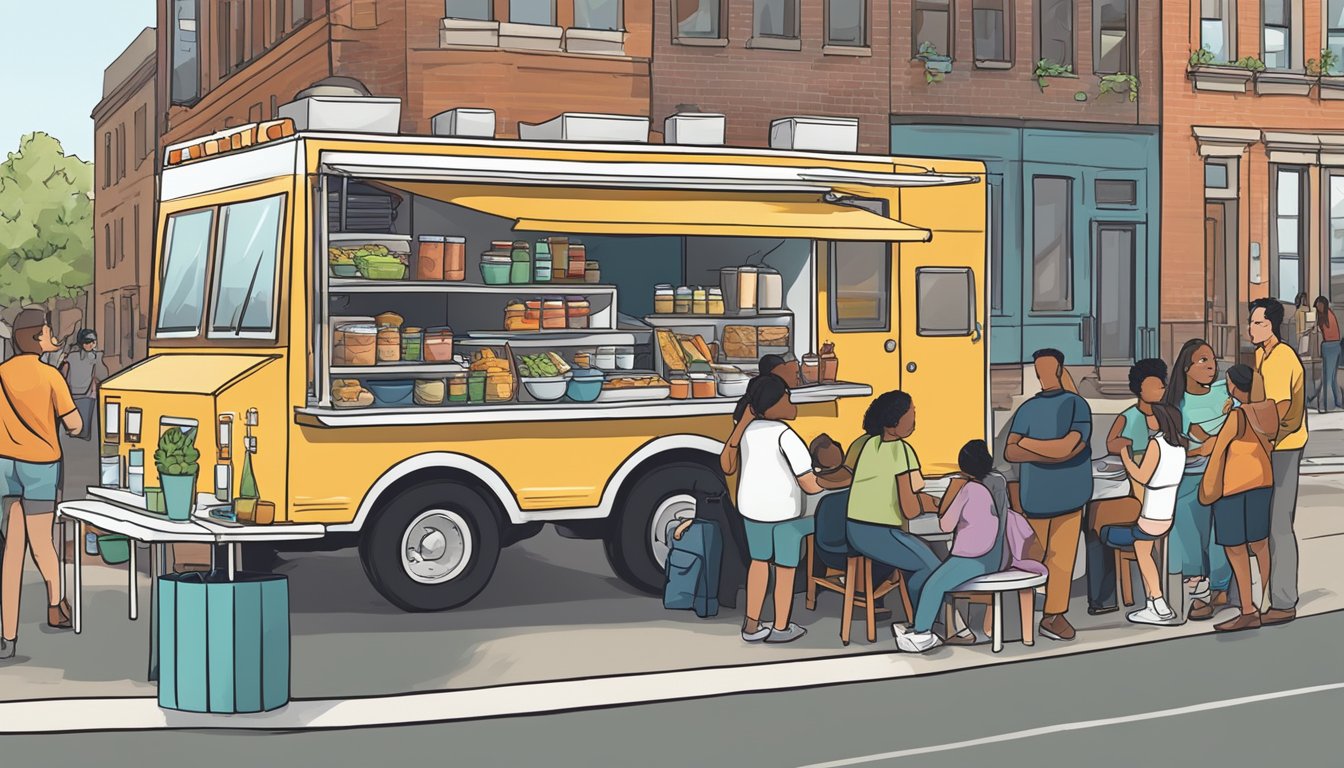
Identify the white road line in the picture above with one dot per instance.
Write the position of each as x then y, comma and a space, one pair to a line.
1078, 726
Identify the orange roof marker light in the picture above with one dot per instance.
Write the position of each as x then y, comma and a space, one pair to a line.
230, 140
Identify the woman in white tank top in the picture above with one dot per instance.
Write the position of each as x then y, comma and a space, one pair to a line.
1160, 475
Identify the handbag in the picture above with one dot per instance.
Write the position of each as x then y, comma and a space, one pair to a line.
1247, 465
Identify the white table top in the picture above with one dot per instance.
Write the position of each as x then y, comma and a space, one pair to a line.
156, 529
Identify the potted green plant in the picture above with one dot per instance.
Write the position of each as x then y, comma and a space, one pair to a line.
936, 64
1120, 82
1048, 69
176, 460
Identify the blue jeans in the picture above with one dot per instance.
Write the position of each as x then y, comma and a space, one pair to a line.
893, 546
1193, 549
952, 573
1330, 352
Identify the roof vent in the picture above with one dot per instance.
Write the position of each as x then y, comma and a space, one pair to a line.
342, 104
465, 123
815, 134
579, 126
704, 129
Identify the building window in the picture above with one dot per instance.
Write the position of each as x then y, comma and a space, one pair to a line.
186, 86
944, 301
1336, 239
991, 21
1215, 175
1122, 193
1217, 29
860, 286
1052, 244
1113, 38
301, 11
135, 231
107, 246
109, 329
141, 136
933, 25
121, 240
1334, 33
121, 151
775, 18
107, 159
597, 14
699, 18
232, 21
475, 10
532, 12
1054, 31
1278, 33
846, 24
1289, 275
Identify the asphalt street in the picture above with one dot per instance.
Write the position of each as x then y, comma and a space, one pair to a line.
1042, 712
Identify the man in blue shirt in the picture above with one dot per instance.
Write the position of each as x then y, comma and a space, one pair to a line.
1049, 440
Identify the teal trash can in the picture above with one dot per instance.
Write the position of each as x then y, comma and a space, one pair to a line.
223, 645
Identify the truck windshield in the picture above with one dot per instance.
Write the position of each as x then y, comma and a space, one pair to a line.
244, 294
182, 296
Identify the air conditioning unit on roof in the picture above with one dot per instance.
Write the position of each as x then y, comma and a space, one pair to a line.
815, 134
580, 126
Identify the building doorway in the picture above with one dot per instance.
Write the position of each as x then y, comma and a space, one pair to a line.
1115, 251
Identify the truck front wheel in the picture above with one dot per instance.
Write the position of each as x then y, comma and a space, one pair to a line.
636, 543
433, 547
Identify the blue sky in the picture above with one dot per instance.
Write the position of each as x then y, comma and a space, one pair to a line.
52, 62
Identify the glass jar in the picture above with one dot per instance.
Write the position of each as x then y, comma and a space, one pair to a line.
476, 387
577, 309
683, 301
592, 273
438, 345
455, 259
811, 368
412, 344
715, 301
578, 261
429, 257
541, 262
389, 345
457, 389
553, 316
135, 471
109, 467
699, 301
664, 300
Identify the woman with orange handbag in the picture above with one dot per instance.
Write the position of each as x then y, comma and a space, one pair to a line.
1239, 484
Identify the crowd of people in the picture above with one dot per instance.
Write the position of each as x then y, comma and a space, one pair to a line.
1211, 459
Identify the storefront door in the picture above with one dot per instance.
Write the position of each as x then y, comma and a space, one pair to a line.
1057, 265
1115, 247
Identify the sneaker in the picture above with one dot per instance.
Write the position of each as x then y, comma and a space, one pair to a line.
1150, 614
917, 642
1057, 628
762, 632
793, 632
899, 629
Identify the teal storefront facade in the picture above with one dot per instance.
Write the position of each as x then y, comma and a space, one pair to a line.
1074, 234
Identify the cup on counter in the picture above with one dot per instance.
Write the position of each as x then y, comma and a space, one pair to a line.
605, 359
625, 358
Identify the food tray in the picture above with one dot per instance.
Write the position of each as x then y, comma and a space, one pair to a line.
634, 394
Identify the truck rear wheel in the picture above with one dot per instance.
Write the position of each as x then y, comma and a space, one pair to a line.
433, 547
636, 545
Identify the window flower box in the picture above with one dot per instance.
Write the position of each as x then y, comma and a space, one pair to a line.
1332, 88
469, 32
1283, 84
1220, 78
600, 42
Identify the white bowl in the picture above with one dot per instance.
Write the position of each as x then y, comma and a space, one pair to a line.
547, 388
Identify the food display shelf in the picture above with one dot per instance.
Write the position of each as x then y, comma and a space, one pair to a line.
361, 285
396, 369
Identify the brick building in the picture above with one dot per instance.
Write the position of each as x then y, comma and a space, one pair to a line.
1253, 163
125, 185
230, 62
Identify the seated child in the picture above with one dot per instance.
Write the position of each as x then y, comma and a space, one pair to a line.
828, 462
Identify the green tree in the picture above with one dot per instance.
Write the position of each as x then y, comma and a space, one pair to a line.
46, 224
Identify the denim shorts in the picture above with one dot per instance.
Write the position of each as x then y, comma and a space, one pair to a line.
30, 482
778, 543
1243, 518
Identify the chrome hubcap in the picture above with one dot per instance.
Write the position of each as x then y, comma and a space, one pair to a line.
436, 547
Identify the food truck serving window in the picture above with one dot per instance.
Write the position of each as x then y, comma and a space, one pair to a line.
244, 283
182, 297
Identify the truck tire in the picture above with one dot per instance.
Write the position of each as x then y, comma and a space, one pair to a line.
432, 547
634, 544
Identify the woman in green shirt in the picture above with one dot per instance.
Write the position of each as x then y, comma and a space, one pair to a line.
887, 491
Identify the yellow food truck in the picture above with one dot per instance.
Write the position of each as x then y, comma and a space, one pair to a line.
437, 346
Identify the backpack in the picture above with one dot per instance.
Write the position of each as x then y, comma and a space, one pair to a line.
693, 568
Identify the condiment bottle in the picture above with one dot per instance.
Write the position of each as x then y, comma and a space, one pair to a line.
521, 271
830, 364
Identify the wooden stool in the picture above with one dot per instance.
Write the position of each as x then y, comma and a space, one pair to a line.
856, 584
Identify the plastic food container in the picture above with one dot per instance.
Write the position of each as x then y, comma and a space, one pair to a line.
733, 384
541, 262
585, 385
521, 271
664, 299
115, 548
684, 301
547, 388
498, 387
680, 388
457, 389
811, 368
412, 344
476, 387
553, 314
429, 257
715, 301
592, 272
389, 345
699, 301
495, 267
577, 310
430, 391
625, 358
578, 261
516, 318
438, 345
359, 342
703, 386
605, 358
391, 392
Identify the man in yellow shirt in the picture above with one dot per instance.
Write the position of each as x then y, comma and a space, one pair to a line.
34, 402
1284, 382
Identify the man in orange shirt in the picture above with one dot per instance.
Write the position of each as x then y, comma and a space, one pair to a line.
34, 402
